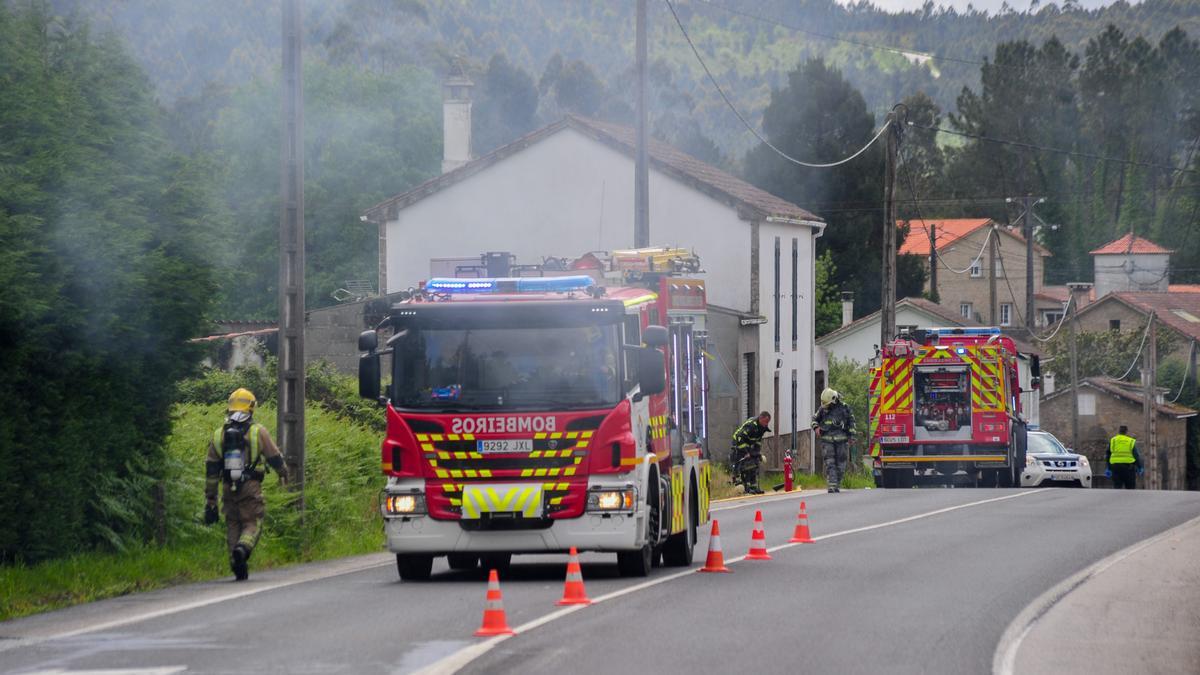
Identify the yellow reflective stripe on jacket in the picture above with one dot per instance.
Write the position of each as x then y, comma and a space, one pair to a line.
1121, 447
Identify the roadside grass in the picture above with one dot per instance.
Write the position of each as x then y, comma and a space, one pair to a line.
723, 488
341, 519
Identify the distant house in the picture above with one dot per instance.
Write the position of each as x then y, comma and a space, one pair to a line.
965, 272
1104, 405
567, 189
1178, 313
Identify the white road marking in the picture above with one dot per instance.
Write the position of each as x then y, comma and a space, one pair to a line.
460, 659
161, 670
164, 670
1005, 658
325, 573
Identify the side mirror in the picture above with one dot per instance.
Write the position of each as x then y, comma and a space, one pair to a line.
368, 341
652, 374
368, 375
655, 336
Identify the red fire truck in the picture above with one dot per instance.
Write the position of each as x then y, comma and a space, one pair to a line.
530, 414
945, 406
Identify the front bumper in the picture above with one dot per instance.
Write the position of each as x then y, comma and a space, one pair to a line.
1038, 475
592, 531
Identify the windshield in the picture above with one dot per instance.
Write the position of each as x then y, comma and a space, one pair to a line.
1045, 444
507, 368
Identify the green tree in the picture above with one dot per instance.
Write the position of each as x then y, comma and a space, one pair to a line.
505, 107
104, 284
829, 301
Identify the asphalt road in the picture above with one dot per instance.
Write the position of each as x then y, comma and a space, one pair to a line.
898, 581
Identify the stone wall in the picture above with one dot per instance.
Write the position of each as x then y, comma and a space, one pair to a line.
331, 333
955, 289
1110, 413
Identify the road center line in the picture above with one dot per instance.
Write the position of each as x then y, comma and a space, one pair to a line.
452, 663
1005, 658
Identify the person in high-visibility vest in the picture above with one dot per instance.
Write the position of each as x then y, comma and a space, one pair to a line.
1124, 462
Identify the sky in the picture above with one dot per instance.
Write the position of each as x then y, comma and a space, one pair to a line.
988, 5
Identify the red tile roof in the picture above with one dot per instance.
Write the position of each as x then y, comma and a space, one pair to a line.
1130, 243
1126, 392
949, 230
1184, 288
1179, 311
718, 184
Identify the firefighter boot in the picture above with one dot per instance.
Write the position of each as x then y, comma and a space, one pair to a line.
238, 560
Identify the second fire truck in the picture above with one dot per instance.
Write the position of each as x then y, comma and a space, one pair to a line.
946, 406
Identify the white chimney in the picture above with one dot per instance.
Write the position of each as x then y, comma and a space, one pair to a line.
456, 121
847, 308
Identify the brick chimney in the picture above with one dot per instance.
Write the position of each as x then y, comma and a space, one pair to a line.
1080, 292
456, 120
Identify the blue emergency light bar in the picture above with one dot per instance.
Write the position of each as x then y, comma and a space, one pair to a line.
511, 285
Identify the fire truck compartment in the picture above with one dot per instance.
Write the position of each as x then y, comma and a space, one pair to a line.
942, 403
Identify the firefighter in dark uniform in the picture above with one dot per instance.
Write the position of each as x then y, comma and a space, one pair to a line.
834, 423
746, 454
235, 453
1124, 462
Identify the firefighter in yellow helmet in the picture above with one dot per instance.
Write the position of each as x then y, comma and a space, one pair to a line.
834, 423
235, 452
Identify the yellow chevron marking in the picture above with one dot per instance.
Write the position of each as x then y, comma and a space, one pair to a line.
475, 455
526, 473
581, 444
443, 455
539, 436
539, 473
468, 437
436, 437
569, 471
535, 454
586, 434
453, 437
441, 473
572, 434
427, 447
422, 437
556, 435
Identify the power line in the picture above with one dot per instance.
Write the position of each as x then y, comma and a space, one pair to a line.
1061, 320
912, 189
1186, 370
1061, 151
747, 124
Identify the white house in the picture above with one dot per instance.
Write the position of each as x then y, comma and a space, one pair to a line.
568, 188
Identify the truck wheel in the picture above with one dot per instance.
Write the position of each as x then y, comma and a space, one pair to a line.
634, 563
495, 561
462, 561
414, 566
679, 549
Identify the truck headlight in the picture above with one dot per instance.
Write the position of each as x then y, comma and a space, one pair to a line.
611, 500
1030, 461
404, 505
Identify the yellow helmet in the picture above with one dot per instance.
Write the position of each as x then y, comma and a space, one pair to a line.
828, 396
241, 400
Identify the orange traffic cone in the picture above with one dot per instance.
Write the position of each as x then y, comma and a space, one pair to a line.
758, 540
573, 592
494, 620
801, 536
716, 559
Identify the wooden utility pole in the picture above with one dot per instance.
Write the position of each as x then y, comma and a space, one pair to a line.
933, 264
641, 172
290, 419
1030, 314
993, 256
887, 309
1149, 395
1074, 372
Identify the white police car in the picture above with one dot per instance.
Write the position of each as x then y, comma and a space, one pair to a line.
1048, 463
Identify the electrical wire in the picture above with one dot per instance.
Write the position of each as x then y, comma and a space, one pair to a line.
1061, 320
912, 189
1137, 357
1191, 355
1061, 151
742, 119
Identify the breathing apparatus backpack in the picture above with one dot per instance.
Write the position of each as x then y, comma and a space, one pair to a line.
236, 452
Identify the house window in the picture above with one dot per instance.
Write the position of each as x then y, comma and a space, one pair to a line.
1051, 318
776, 322
795, 292
999, 268
966, 310
1005, 314
976, 269
1114, 324
748, 383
